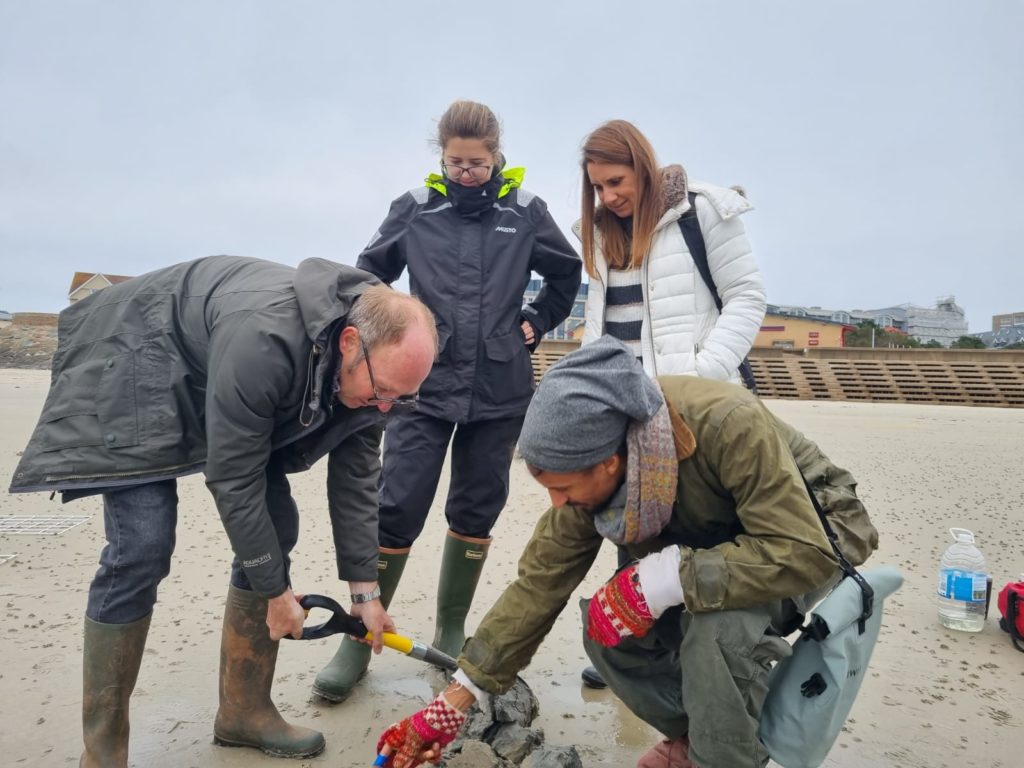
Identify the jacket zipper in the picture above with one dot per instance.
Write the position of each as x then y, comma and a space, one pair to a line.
310, 394
648, 324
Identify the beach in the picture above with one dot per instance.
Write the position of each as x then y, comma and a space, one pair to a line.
932, 698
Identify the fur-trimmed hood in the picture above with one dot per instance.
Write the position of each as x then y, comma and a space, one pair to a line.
727, 201
673, 186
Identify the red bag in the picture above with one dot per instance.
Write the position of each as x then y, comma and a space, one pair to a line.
1011, 606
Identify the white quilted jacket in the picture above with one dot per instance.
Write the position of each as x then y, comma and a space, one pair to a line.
683, 332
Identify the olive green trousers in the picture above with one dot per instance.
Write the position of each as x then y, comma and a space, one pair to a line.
702, 675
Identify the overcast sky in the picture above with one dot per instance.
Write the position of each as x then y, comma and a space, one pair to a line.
881, 141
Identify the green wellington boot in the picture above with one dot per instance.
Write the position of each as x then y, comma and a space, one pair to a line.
111, 657
247, 716
461, 565
336, 681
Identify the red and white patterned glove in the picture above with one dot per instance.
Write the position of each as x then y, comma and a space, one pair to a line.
618, 610
438, 723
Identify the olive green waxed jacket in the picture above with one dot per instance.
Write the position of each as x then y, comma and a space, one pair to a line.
747, 530
221, 365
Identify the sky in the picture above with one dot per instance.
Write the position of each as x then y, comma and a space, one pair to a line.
880, 141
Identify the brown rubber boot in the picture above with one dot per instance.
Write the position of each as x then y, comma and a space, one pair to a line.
336, 680
111, 657
247, 717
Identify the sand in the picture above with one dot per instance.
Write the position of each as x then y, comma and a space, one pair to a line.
933, 697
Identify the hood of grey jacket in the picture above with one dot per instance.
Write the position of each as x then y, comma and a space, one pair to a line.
326, 292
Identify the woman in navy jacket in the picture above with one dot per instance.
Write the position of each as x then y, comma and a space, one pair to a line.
470, 239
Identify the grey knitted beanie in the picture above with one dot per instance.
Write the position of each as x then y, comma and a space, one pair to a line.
584, 405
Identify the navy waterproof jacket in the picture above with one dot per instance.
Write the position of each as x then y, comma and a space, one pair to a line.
471, 269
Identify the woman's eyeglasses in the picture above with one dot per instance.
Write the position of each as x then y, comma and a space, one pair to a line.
476, 172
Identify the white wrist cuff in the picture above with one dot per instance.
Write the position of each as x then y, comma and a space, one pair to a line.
483, 699
659, 579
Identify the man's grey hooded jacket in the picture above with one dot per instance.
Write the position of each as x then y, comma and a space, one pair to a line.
223, 365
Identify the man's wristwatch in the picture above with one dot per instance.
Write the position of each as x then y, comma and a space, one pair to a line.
365, 597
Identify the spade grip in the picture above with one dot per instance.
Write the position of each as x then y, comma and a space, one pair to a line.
341, 622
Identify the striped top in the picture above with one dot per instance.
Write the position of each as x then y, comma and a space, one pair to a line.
624, 307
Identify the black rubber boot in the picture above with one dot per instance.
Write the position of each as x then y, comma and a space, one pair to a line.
336, 681
461, 566
592, 678
111, 657
247, 716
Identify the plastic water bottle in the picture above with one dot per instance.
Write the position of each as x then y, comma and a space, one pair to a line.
963, 580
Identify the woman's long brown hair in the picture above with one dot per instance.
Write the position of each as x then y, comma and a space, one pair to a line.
618, 142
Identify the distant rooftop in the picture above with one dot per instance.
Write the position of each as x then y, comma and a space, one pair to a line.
81, 278
1013, 334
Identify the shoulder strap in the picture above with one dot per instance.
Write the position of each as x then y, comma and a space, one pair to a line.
867, 593
690, 227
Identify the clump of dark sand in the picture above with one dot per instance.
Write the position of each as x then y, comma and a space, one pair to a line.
501, 736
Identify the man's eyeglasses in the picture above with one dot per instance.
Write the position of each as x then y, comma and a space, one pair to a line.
476, 172
377, 396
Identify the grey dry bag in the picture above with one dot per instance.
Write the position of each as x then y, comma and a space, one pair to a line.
811, 692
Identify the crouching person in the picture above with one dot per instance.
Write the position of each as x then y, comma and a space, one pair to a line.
703, 485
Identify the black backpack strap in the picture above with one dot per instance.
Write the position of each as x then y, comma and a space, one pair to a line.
867, 593
690, 227
694, 238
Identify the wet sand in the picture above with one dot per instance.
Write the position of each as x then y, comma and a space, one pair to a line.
933, 697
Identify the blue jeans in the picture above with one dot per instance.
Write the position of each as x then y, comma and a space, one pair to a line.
140, 522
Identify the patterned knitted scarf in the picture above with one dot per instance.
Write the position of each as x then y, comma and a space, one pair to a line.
652, 476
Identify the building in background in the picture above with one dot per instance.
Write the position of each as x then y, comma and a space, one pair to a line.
1006, 330
793, 332
87, 283
1011, 320
945, 323
572, 326
796, 327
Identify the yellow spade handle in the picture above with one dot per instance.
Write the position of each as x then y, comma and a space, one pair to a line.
391, 640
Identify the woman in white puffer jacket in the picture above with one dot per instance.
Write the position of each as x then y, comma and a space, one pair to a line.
644, 286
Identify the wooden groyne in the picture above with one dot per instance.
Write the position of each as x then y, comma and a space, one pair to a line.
935, 376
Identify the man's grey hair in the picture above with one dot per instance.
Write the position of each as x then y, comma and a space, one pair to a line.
383, 316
